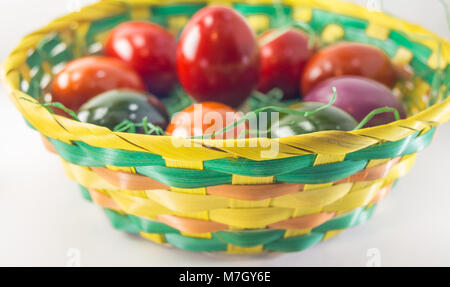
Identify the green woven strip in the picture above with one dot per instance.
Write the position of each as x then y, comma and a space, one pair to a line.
251, 238
409, 145
323, 173
151, 226
187, 178
268, 10
356, 217
119, 157
53, 50
184, 178
73, 154
83, 154
196, 244
420, 143
121, 222
421, 52
160, 14
104, 25
295, 243
250, 167
356, 35
271, 238
321, 18
292, 170
85, 193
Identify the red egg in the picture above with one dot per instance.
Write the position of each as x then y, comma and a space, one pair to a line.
84, 78
283, 57
149, 49
351, 59
205, 119
218, 57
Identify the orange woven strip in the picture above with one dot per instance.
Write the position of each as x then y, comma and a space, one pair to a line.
382, 194
373, 173
128, 181
303, 222
102, 199
48, 145
191, 225
254, 192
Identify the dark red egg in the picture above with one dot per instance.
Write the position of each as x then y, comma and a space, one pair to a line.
218, 57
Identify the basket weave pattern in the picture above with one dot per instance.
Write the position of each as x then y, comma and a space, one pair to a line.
211, 196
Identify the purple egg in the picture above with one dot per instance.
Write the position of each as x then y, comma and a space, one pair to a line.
358, 96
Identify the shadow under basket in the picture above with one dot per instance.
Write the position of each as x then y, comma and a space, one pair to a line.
204, 195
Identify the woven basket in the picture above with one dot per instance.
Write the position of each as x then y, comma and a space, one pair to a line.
230, 198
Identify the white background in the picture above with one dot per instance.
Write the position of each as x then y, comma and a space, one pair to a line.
42, 214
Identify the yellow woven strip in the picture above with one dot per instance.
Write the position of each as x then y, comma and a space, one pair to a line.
329, 142
235, 203
436, 62
313, 199
197, 235
355, 199
198, 191
377, 31
155, 237
137, 193
401, 168
188, 203
375, 162
402, 56
250, 218
333, 197
202, 215
337, 199
241, 179
332, 233
121, 168
138, 206
139, 12
182, 202
296, 232
332, 33
233, 249
198, 165
80, 39
312, 188
24, 71
324, 159
228, 3
176, 23
259, 23
86, 178
302, 14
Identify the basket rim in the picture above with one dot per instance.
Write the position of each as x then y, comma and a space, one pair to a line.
324, 142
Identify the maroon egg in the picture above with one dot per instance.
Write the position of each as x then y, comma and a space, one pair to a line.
358, 96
